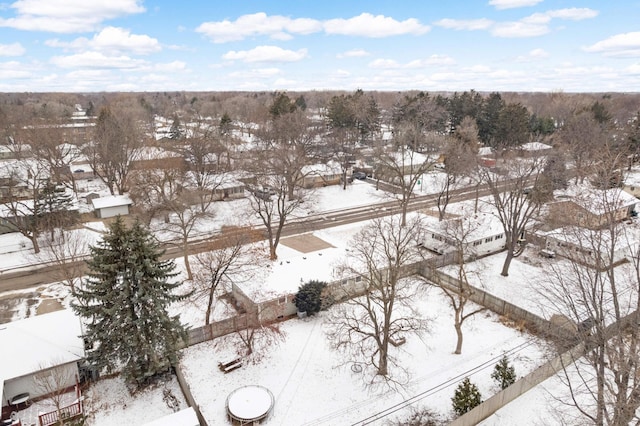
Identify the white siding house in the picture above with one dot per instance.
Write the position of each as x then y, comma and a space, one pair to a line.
41, 345
112, 205
479, 234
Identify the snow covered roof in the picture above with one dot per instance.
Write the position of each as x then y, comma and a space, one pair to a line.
476, 227
111, 201
535, 146
186, 417
597, 201
484, 151
31, 344
329, 168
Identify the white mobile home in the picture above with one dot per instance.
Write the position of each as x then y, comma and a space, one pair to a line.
477, 235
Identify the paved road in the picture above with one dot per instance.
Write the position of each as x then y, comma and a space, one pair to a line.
47, 274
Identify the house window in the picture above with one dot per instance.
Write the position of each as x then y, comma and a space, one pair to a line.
488, 240
477, 243
358, 279
282, 300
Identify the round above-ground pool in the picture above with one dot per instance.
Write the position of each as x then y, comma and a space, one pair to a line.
249, 404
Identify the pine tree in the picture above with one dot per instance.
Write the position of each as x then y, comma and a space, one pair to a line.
503, 373
124, 306
309, 297
466, 397
54, 207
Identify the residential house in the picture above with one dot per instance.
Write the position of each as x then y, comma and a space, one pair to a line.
44, 347
476, 235
317, 175
590, 247
590, 208
534, 149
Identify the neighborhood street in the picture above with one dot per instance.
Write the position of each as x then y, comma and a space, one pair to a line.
25, 279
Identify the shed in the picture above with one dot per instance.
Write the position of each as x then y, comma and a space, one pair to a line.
112, 205
45, 344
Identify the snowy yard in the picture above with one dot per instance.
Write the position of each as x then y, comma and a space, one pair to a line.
312, 386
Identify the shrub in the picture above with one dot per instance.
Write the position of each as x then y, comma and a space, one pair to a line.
466, 397
309, 297
503, 373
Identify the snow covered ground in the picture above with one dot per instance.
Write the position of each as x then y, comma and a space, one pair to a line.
313, 385
302, 372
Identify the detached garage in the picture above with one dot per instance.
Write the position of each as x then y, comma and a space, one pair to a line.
112, 205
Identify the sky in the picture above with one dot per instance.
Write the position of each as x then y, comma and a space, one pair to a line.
267, 45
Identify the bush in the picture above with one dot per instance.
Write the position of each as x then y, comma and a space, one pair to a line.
503, 373
466, 397
309, 297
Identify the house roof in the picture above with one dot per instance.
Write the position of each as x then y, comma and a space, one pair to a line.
535, 146
475, 226
111, 201
598, 201
186, 417
39, 342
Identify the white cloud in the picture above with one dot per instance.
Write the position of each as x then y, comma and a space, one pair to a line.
519, 29
390, 64
256, 73
538, 23
619, 45
573, 14
384, 64
276, 26
112, 40
96, 60
439, 60
511, 4
67, 16
469, 25
171, 66
353, 53
533, 55
283, 28
13, 49
367, 25
266, 54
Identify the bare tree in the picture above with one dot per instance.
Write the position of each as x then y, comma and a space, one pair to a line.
53, 382
271, 202
67, 251
366, 327
111, 153
601, 297
404, 167
231, 260
460, 233
25, 179
582, 138
257, 337
510, 197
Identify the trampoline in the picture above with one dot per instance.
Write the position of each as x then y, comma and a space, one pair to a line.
249, 404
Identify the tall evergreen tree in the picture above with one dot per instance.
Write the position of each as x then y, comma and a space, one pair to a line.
124, 306
55, 208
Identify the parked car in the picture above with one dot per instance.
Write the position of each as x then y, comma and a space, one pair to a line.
360, 175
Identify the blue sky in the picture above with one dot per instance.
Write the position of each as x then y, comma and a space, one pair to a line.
486, 45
